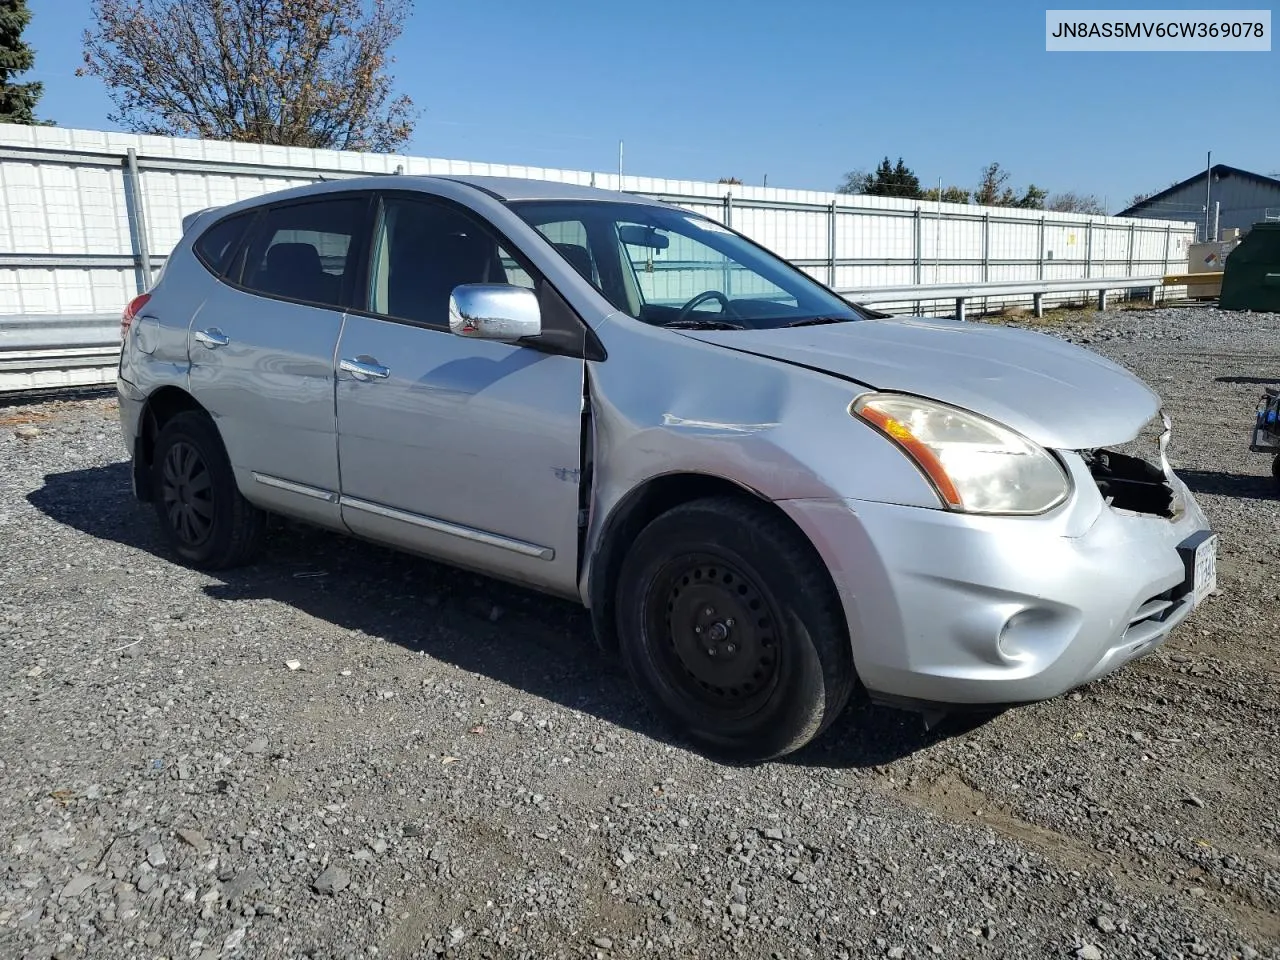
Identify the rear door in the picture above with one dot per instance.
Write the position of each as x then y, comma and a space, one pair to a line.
262, 349
463, 449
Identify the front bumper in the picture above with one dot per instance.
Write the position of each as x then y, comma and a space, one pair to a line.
950, 608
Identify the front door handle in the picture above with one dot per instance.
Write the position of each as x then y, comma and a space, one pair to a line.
364, 368
213, 337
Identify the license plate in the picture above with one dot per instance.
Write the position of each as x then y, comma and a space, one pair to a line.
1200, 555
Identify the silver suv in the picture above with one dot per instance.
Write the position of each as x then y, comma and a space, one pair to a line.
767, 497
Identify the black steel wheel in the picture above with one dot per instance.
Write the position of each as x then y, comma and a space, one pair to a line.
721, 632
729, 623
206, 520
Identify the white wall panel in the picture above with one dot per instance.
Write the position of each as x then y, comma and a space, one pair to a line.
78, 206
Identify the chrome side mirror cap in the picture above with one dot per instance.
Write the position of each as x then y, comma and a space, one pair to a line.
494, 311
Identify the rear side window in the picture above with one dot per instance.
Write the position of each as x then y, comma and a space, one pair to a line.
305, 251
217, 245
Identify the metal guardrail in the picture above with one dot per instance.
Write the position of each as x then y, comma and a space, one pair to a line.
58, 351
970, 291
66, 351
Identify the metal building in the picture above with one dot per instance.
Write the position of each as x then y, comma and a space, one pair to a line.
1234, 198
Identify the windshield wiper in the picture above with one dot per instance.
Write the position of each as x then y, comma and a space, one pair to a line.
815, 321
703, 325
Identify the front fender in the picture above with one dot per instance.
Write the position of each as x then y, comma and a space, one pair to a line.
667, 404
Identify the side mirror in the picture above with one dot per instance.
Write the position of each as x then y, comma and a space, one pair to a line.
494, 311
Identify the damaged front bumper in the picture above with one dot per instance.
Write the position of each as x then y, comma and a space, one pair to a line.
953, 608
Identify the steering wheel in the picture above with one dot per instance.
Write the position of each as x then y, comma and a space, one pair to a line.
702, 298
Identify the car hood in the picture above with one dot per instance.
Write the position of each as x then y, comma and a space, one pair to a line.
1052, 392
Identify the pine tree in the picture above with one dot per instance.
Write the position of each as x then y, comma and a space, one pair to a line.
17, 100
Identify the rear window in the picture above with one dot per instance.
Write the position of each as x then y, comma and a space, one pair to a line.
303, 251
217, 245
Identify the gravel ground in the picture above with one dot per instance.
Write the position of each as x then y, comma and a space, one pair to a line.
344, 752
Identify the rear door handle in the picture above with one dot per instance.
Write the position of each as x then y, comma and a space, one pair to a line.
364, 368
213, 337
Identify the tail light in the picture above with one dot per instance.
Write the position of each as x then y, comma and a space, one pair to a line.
131, 311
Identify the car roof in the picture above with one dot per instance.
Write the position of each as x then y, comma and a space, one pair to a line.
521, 188
501, 188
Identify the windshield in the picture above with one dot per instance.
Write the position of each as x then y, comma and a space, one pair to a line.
673, 268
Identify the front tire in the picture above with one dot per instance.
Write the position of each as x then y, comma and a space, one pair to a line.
730, 626
205, 519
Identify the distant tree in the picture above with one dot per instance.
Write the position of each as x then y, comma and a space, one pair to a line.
303, 73
17, 100
989, 186
949, 195
893, 180
1071, 202
730, 180
992, 191
855, 181
889, 180
1138, 198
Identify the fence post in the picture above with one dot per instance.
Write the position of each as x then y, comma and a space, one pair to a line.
1040, 262
137, 220
728, 209
1168, 237
919, 266
1129, 269
986, 247
1088, 249
831, 245
986, 261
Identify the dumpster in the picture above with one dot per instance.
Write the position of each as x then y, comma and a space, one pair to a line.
1251, 280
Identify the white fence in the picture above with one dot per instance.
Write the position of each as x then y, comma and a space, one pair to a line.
85, 215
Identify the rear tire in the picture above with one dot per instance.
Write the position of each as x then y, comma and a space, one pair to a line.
207, 522
729, 624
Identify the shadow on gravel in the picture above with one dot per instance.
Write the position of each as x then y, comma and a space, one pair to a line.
1265, 380
1246, 486
514, 636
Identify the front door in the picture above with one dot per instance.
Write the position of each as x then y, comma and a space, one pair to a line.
466, 450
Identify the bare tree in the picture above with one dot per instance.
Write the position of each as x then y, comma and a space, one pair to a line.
1138, 198
304, 73
993, 192
855, 181
1071, 202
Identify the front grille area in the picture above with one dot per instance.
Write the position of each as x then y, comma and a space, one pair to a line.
1152, 618
1128, 480
1129, 483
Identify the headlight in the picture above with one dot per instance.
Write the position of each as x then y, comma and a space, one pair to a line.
975, 464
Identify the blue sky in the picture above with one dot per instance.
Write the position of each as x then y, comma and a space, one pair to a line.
801, 91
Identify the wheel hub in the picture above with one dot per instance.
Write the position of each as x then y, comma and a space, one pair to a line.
187, 493
720, 630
